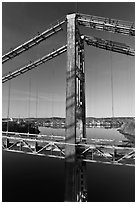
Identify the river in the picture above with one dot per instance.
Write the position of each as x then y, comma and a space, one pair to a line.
28, 178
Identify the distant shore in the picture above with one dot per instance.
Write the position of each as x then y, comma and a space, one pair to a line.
108, 122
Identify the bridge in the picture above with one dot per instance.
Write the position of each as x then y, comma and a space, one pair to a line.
75, 150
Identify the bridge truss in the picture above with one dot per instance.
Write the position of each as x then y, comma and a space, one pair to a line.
76, 151
91, 150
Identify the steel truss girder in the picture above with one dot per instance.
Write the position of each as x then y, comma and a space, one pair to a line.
34, 154
32, 136
106, 24
59, 138
109, 45
37, 147
62, 157
34, 64
114, 154
102, 153
34, 41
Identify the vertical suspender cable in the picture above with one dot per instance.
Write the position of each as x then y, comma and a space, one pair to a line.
36, 101
9, 87
52, 100
37, 86
130, 97
36, 121
112, 89
131, 92
130, 88
29, 103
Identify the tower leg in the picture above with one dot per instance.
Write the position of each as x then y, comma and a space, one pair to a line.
75, 189
70, 132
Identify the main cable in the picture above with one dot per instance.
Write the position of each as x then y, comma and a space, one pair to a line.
34, 64
34, 41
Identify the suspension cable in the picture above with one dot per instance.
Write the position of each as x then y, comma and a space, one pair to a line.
100, 23
112, 89
29, 103
36, 101
34, 41
109, 45
9, 90
129, 88
107, 24
34, 64
131, 93
52, 102
37, 51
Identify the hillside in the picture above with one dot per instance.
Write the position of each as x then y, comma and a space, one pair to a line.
128, 128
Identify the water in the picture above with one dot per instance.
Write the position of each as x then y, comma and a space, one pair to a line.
28, 178
100, 133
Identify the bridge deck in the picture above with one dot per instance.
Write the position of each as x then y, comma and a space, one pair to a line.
89, 150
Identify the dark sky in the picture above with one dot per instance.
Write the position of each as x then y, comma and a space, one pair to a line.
22, 21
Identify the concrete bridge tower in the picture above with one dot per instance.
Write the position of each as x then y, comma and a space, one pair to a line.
76, 189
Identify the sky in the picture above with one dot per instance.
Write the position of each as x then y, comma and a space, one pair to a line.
44, 88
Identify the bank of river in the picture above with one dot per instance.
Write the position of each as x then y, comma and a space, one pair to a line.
128, 129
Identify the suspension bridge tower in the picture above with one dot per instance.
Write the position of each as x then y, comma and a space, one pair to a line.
76, 189
75, 162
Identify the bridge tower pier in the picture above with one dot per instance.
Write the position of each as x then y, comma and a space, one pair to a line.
76, 187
